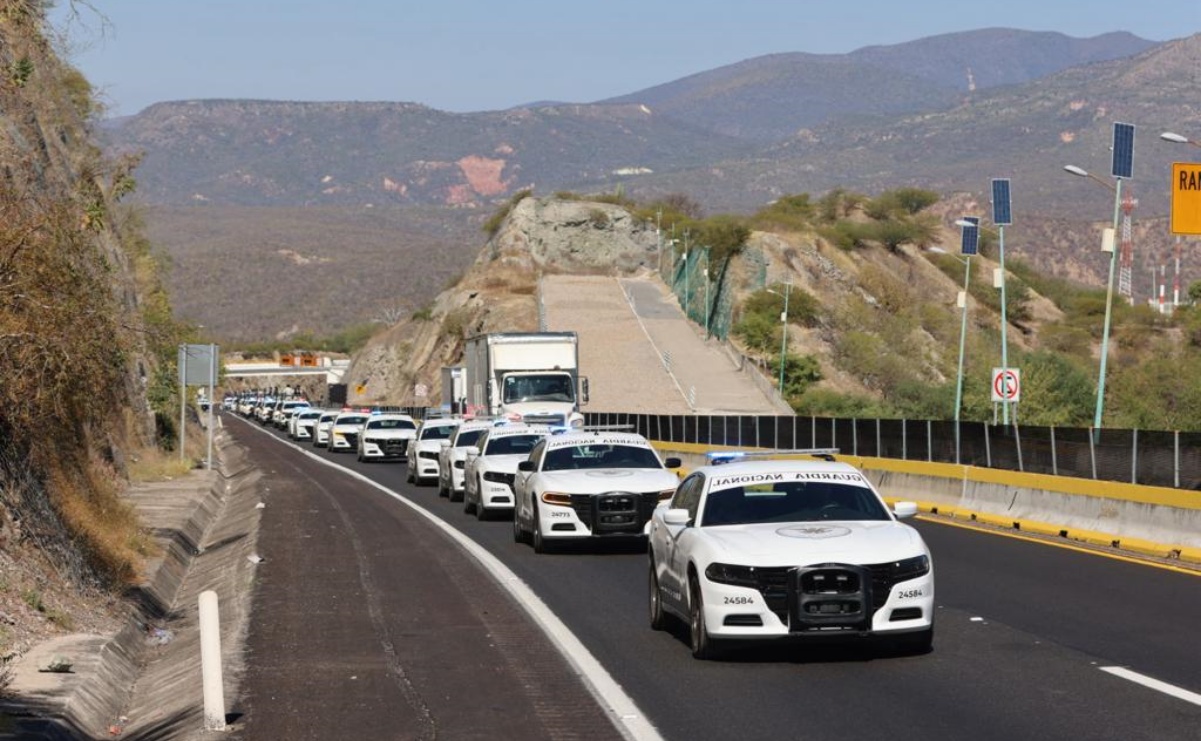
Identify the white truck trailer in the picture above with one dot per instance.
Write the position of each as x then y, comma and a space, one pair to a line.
531, 377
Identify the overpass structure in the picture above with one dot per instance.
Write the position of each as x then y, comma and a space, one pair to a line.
333, 371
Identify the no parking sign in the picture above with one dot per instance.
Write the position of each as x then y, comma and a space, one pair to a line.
1006, 384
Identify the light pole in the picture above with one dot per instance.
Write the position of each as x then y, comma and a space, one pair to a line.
1178, 139
1107, 242
783, 331
706, 274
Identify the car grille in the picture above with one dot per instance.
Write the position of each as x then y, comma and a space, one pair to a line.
615, 511
392, 446
543, 419
773, 584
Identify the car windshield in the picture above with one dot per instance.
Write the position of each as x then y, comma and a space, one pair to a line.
468, 437
512, 444
600, 456
391, 424
792, 501
554, 387
353, 419
437, 432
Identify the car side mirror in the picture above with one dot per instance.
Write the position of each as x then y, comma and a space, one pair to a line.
677, 517
472, 450
904, 510
525, 466
444, 443
672, 463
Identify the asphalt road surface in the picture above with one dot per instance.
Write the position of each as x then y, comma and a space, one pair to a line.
370, 623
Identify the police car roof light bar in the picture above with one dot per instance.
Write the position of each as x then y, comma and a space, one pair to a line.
718, 457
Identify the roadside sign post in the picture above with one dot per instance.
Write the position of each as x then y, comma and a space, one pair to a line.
1006, 385
197, 367
1186, 198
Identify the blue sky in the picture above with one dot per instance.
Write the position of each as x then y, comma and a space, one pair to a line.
473, 55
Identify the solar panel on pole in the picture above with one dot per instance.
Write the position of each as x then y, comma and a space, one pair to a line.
1002, 214
1123, 150
969, 240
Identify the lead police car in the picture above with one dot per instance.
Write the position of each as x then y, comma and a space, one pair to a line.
788, 549
588, 484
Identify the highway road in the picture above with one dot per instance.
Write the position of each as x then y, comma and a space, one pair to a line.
1033, 641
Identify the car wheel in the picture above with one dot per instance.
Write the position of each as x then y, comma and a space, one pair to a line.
442, 490
703, 646
915, 644
481, 514
409, 478
518, 532
468, 507
454, 496
658, 617
540, 543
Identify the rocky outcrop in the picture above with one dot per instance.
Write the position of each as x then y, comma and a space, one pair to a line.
499, 293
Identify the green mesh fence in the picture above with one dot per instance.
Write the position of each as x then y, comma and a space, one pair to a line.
709, 301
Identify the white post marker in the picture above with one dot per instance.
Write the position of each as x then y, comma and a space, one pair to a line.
210, 662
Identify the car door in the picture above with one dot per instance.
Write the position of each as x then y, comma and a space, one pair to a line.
674, 576
523, 505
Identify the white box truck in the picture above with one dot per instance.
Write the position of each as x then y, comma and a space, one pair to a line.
532, 377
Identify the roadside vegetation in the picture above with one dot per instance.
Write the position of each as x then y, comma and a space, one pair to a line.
899, 349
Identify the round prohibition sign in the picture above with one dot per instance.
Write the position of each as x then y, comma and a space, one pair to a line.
1006, 384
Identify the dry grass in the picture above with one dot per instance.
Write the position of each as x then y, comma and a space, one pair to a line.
93, 509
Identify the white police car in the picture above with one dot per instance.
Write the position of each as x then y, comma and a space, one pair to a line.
588, 484
491, 464
422, 452
344, 431
452, 456
386, 436
774, 549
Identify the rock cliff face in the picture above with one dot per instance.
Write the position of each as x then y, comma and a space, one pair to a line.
498, 293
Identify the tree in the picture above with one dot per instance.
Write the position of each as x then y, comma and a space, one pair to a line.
724, 235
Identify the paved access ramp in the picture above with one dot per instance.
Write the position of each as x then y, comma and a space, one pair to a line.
641, 354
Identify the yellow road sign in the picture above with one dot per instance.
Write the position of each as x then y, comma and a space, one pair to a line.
1186, 198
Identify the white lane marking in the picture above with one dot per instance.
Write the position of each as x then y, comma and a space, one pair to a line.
629, 720
1151, 683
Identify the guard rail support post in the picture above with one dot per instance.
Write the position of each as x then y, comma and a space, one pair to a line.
904, 440
987, 447
929, 441
1054, 457
210, 662
1092, 450
879, 450
1176, 459
1017, 440
854, 438
1134, 458
813, 432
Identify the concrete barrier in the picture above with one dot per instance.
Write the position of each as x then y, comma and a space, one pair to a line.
1146, 520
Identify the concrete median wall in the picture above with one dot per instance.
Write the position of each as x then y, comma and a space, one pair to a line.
1147, 520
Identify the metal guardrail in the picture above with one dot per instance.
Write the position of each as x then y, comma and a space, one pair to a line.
1147, 457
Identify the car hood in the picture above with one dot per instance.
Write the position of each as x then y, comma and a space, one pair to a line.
601, 480
389, 434
802, 543
502, 463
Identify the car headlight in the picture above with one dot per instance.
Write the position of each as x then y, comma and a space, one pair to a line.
556, 497
911, 568
666, 494
739, 576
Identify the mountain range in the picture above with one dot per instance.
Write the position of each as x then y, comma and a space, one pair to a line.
945, 113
